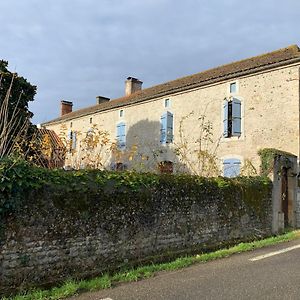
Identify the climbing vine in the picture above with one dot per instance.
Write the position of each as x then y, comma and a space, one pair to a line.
267, 156
80, 190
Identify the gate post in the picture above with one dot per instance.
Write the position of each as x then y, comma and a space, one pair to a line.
281, 168
285, 197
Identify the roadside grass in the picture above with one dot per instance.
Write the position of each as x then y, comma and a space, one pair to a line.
71, 287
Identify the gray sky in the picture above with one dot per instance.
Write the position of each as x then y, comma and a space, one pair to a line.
78, 49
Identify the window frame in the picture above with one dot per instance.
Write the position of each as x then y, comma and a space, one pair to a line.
72, 140
236, 87
239, 125
167, 103
166, 135
233, 160
122, 145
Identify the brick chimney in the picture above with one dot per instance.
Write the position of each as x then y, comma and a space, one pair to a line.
132, 85
65, 107
101, 99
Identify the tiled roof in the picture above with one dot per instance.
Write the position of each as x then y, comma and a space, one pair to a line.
55, 141
247, 66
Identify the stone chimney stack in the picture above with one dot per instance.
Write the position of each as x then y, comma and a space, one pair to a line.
101, 99
132, 85
65, 107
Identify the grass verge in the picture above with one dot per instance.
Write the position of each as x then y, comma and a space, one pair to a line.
71, 287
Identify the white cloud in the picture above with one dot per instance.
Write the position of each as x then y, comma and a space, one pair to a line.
75, 49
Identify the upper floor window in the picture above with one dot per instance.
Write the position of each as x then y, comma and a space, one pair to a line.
91, 120
232, 118
233, 88
121, 113
167, 102
121, 135
166, 128
231, 167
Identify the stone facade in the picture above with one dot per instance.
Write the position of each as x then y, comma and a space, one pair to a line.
269, 119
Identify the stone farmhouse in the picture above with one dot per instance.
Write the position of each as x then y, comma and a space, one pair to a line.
229, 112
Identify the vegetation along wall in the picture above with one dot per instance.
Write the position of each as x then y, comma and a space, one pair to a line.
57, 224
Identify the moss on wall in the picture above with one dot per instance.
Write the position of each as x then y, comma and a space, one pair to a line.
58, 224
268, 155
78, 192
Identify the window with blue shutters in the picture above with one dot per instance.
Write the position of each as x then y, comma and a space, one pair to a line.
121, 135
72, 140
232, 118
166, 128
231, 167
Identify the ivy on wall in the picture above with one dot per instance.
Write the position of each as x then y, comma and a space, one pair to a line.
78, 191
267, 156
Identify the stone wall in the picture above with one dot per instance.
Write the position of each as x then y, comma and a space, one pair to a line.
270, 119
60, 232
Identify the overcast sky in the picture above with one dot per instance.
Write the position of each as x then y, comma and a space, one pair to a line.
78, 49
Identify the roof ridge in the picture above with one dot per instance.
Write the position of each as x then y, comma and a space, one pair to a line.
194, 80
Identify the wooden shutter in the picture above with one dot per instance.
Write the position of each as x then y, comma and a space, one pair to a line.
163, 128
236, 117
225, 118
121, 135
231, 167
169, 137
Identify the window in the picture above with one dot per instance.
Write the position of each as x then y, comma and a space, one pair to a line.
71, 124
166, 128
165, 167
232, 118
167, 103
121, 135
233, 88
118, 166
231, 167
121, 113
91, 120
72, 138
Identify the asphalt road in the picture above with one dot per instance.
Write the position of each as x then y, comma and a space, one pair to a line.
236, 277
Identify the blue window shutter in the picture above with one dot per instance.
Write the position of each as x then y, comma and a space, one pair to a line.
231, 167
236, 117
74, 140
169, 137
121, 135
163, 128
225, 118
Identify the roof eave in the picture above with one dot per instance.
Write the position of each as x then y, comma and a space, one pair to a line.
180, 89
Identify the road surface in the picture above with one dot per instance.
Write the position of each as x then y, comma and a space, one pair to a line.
268, 273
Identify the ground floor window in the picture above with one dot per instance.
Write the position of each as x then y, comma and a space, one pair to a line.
165, 167
231, 167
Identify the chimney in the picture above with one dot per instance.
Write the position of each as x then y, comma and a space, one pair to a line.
65, 107
132, 85
101, 99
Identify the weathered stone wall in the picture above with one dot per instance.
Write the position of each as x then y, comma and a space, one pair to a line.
270, 118
60, 232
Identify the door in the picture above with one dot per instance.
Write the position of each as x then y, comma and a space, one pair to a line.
284, 196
